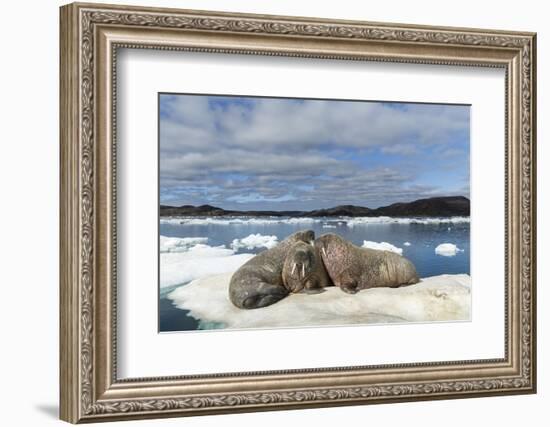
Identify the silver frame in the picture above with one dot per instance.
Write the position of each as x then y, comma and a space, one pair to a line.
90, 37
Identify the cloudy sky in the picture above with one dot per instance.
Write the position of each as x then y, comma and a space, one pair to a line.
280, 153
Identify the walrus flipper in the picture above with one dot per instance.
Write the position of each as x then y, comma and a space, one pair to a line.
260, 295
348, 284
263, 300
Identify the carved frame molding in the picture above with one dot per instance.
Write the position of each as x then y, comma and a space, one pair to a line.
90, 37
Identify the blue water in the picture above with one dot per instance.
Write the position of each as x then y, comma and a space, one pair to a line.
424, 238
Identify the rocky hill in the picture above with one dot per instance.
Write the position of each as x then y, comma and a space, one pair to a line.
431, 207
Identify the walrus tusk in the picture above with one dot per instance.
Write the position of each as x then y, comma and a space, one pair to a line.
303, 271
293, 268
324, 252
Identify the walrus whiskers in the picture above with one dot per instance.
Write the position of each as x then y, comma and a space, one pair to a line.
303, 269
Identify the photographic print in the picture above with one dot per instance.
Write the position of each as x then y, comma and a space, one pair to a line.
290, 212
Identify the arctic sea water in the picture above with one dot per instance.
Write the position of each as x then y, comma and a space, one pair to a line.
192, 247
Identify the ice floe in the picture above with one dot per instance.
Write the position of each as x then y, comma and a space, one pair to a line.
382, 246
437, 298
255, 241
447, 249
179, 244
407, 244
198, 261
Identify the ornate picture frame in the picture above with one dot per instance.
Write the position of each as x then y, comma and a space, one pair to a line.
90, 37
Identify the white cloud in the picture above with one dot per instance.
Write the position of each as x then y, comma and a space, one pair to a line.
298, 125
318, 153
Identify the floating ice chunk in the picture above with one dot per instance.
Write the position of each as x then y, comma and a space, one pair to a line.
329, 226
352, 222
407, 244
447, 249
382, 246
179, 244
437, 298
199, 261
255, 241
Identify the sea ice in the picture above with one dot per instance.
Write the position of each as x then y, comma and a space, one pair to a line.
198, 261
352, 222
407, 244
255, 241
447, 249
179, 244
437, 298
236, 220
382, 246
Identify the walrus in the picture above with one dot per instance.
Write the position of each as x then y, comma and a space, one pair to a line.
259, 282
303, 269
353, 268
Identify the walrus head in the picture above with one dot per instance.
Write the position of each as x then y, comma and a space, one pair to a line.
329, 243
300, 263
333, 251
306, 236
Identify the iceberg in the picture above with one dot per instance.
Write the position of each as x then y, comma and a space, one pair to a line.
437, 298
447, 249
382, 246
255, 241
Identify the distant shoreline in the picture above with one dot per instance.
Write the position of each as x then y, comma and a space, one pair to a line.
431, 207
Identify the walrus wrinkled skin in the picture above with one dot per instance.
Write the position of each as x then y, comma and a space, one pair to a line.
303, 269
259, 282
353, 268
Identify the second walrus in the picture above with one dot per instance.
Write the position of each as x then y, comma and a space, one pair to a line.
353, 268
